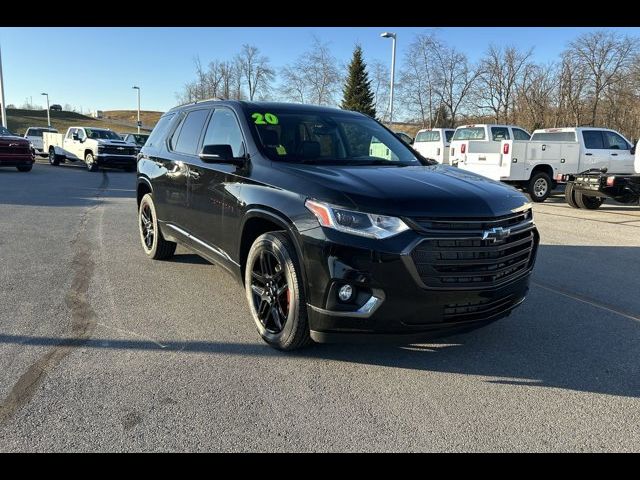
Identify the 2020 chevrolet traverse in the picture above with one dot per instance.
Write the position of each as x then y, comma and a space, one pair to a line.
331, 238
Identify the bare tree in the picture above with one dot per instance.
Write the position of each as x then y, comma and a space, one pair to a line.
256, 72
454, 80
417, 85
499, 74
380, 83
607, 57
536, 92
313, 77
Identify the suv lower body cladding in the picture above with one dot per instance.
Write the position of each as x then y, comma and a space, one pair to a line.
442, 280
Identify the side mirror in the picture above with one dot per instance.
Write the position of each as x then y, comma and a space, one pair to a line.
75, 136
219, 154
633, 150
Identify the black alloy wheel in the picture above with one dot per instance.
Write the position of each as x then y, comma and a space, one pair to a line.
270, 289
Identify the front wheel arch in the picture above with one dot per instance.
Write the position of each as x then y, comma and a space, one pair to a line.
279, 223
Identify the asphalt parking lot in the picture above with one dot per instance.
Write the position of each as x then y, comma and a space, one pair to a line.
102, 349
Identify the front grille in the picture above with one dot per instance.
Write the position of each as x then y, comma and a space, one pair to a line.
482, 310
471, 225
19, 150
110, 150
452, 261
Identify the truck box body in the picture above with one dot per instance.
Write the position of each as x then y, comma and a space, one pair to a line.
434, 143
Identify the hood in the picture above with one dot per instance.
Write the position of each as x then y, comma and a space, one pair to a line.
438, 190
6, 139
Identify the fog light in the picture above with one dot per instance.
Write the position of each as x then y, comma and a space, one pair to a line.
345, 293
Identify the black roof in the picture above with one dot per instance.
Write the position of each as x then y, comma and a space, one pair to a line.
292, 107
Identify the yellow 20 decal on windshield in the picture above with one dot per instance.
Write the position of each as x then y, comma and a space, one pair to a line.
266, 119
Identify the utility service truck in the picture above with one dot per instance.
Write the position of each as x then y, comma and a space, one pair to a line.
538, 164
97, 147
615, 174
434, 143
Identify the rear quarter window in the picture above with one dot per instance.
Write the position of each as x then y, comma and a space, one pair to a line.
159, 132
553, 137
469, 133
428, 137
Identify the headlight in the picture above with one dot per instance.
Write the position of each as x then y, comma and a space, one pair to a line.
357, 223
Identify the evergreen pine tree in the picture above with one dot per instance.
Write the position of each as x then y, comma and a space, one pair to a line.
357, 94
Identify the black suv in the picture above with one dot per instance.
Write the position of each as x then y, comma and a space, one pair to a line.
330, 239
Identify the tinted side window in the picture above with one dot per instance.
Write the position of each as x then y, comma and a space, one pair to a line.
187, 141
159, 132
449, 135
428, 136
592, 138
520, 134
499, 133
223, 129
615, 141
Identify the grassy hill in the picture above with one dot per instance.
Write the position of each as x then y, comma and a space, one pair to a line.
19, 120
149, 118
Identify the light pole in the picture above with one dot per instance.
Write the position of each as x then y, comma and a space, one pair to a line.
393, 67
48, 113
138, 88
2, 107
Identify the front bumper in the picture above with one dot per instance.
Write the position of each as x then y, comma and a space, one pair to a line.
123, 161
403, 308
16, 160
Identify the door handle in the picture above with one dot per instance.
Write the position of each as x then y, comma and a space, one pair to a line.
588, 154
614, 154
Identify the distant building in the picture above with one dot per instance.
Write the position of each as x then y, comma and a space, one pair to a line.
97, 114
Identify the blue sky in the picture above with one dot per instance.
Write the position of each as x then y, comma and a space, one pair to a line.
95, 68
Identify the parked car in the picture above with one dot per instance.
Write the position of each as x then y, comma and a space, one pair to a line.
434, 143
328, 241
138, 139
55, 108
536, 165
97, 147
616, 177
408, 139
34, 135
15, 151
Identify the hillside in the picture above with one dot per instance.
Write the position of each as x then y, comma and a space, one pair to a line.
149, 118
19, 120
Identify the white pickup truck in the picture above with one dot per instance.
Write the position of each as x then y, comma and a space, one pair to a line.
34, 135
434, 143
611, 171
537, 164
97, 147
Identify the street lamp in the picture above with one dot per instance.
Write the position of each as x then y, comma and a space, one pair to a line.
393, 67
138, 88
48, 113
3, 109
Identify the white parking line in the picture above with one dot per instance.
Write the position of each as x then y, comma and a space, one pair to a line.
580, 298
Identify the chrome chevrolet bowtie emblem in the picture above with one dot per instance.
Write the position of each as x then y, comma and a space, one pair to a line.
120, 148
496, 234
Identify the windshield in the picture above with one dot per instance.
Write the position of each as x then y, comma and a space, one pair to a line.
102, 134
4, 132
469, 133
328, 138
140, 139
37, 132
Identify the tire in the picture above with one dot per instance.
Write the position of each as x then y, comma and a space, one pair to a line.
539, 187
53, 158
153, 243
273, 271
24, 168
91, 163
570, 195
588, 202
